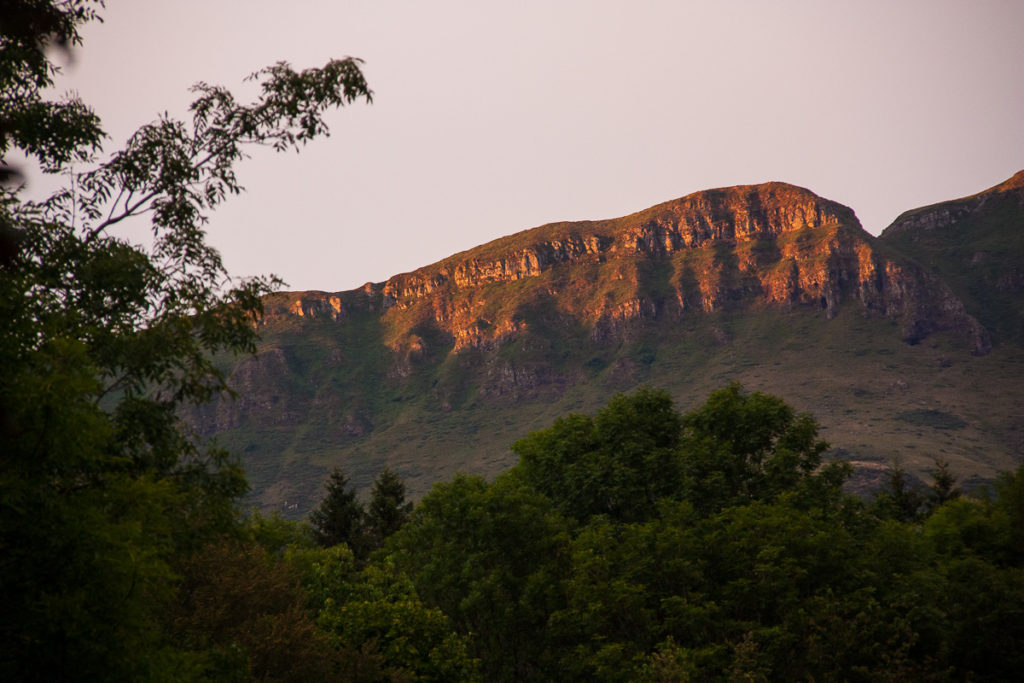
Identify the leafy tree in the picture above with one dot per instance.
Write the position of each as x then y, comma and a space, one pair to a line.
54, 132
244, 616
388, 510
376, 611
637, 450
490, 556
278, 535
619, 575
1010, 503
618, 462
978, 559
763, 586
669, 663
741, 447
340, 517
102, 491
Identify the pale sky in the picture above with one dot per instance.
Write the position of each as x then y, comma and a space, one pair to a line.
490, 118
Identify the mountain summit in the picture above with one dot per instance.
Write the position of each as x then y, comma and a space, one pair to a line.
440, 369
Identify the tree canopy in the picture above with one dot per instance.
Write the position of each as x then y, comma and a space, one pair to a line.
742, 559
103, 492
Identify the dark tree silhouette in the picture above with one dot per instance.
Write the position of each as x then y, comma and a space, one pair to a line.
340, 516
388, 510
899, 499
103, 342
943, 488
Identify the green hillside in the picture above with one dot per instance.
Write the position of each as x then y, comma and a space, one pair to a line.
976, 244
876, 397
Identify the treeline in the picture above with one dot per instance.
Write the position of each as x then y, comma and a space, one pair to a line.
639, 544
635, 544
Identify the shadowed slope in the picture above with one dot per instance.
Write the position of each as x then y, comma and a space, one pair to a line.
976, 244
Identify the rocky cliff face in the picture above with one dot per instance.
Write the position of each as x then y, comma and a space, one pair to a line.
732, 216
760, 245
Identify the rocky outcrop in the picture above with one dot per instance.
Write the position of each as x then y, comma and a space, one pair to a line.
771, 244
312, 305
263, 385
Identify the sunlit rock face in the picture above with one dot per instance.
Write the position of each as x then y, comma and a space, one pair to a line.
755, 245
303, 305
733, 216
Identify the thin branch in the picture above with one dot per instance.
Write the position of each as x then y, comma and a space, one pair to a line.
118, 383
129, 211
115, 202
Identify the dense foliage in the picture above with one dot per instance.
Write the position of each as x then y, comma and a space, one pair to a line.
109, 509
640, 544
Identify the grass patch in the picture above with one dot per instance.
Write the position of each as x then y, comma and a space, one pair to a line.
936, 419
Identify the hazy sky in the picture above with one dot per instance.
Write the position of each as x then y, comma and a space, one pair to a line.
490, 118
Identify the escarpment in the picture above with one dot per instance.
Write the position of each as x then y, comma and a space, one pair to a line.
914, 225
757, 245
731, 216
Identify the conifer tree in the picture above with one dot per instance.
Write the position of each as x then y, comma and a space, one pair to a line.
899, 499
943, 488
340, 516
388, 510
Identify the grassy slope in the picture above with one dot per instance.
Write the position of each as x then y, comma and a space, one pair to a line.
981, 257
876, 397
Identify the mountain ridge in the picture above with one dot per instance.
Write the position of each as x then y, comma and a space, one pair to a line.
943, 213
438, 370
775, 230
698, 218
